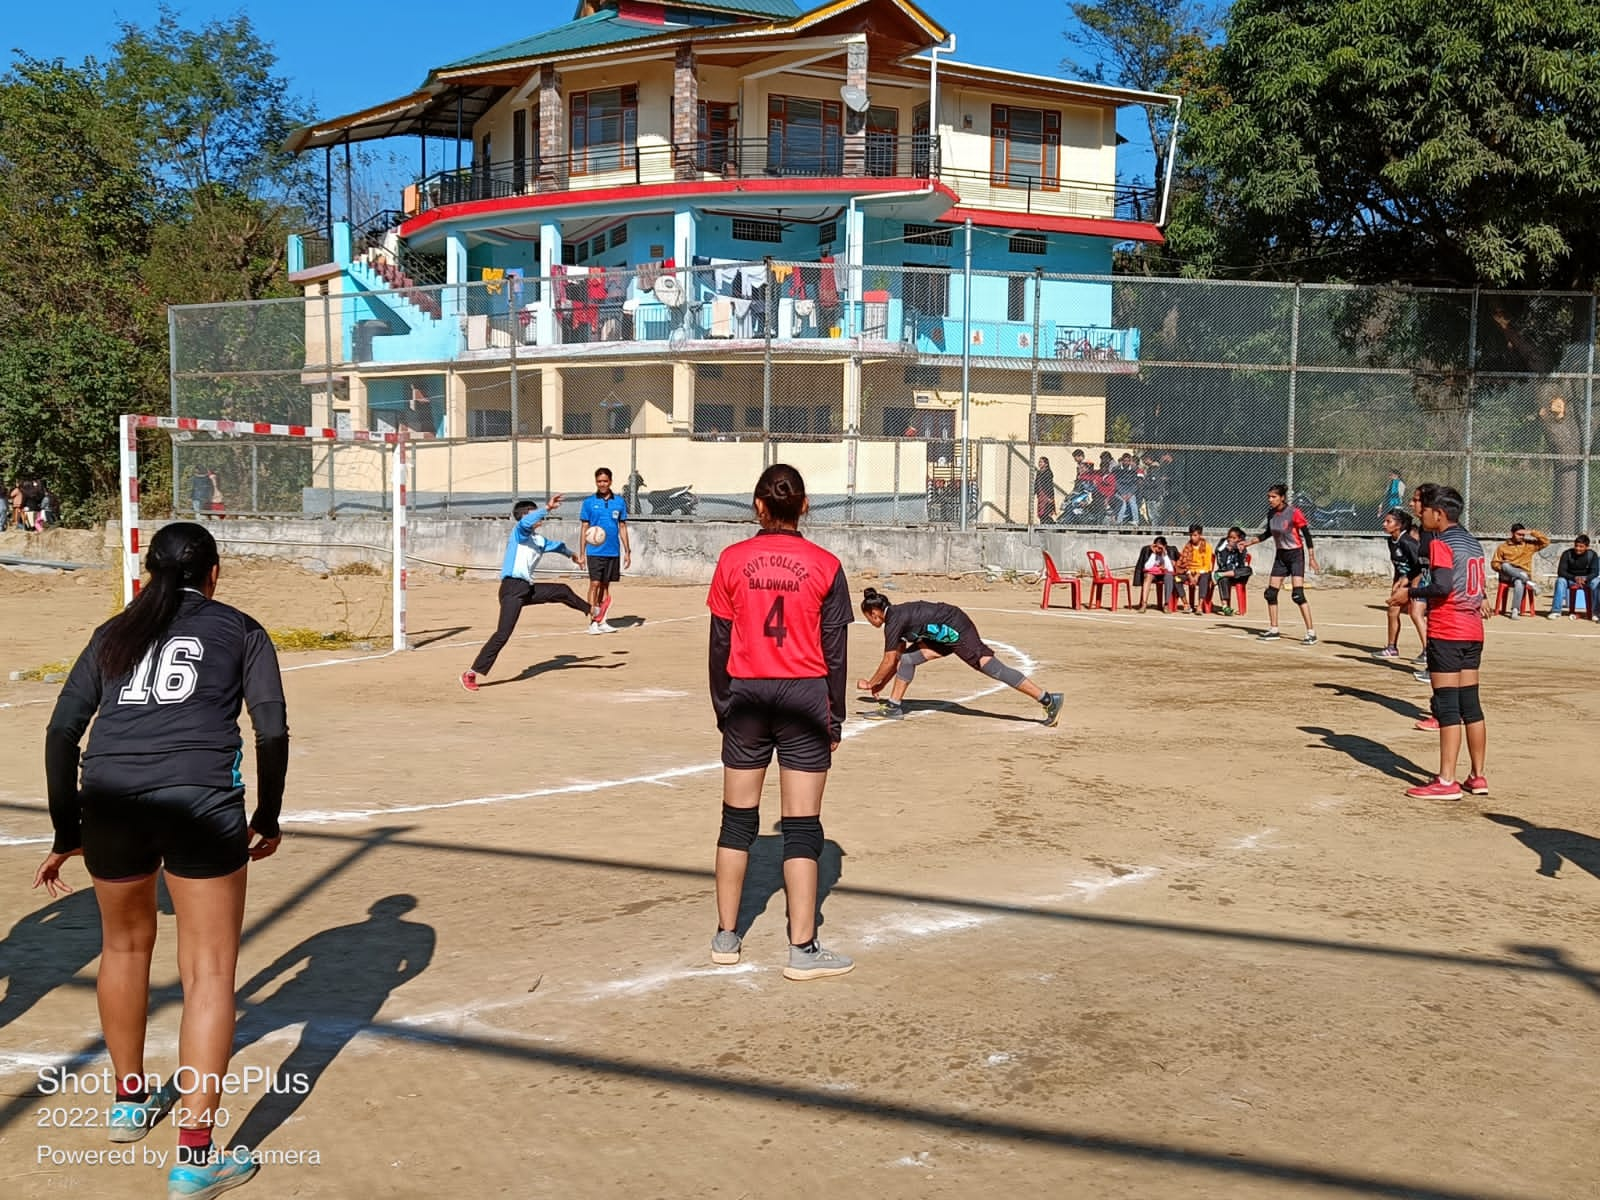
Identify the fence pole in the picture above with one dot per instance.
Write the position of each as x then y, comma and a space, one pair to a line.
327, 362
766, 395
1588, 425
449, 472
1033, 404
172, 387
1472, 379
895, 509
547, 464
1294, 379
398, 508
966, 372
516, 407
255, 476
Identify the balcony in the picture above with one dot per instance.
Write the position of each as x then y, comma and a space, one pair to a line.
1022, 193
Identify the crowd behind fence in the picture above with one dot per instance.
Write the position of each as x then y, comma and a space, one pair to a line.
899, 400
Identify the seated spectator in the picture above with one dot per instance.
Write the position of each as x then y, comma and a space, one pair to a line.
1513, 562
1195, 564
1082, 466
1579, 568
1154, 565
200, 490
1232, 569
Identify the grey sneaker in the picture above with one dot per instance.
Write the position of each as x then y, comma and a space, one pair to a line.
1310, 638
1268, 635
129, 1121
1421, 660
888, 711
725, 947
1422, 676
815, 962
1053, 704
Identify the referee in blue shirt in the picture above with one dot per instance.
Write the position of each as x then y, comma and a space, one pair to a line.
606, 511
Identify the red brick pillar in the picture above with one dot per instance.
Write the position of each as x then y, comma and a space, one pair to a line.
855, 124
685, 112
553, 165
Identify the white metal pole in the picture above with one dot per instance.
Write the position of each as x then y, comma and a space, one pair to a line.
966, 373
399, 514
130, 508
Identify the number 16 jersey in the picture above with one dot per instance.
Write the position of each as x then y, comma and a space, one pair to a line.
780, 592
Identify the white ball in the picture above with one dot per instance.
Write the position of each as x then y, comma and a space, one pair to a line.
596, 536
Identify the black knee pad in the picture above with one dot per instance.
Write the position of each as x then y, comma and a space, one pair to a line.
739, 827
1298, 595
1447, 705
802, 837
1471, 706
1269, 594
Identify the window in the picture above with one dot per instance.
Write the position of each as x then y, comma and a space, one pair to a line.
1053, 383
1027, 243
598, 246
1025, 148
716, 150
827, 233
748, 229
752, 417
921, 143
713, 418
604, 129
569, 254
619, 235
804, 137
927, 235
710, 371
883, 136
1053, 427
926, 292
488, 422
519, 151
919, 376
619, 417
577, 424
1017, 298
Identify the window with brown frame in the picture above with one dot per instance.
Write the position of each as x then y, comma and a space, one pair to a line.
1025, 148
883, 134
716, 150
804, 137
604, 128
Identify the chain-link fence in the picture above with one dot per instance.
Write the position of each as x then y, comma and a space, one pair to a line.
907, 394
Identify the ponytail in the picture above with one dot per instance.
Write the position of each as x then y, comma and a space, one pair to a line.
181, 556
783, 492
872, 600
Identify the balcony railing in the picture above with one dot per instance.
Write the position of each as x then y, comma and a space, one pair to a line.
1018, 192
803, 156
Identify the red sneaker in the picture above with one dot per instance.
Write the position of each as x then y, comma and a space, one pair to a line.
1477, 785
1428, 725
469, 681
1437, 790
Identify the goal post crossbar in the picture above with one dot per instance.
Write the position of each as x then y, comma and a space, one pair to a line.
130, 424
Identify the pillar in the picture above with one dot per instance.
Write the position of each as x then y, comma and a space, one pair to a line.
685, 112
553, 165
548, 327
453, 300
852, 394
683, 239
552, 396
855, 124
683, 379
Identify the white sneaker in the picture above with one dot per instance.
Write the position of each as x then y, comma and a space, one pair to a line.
594, 627
606, 627
1555, 616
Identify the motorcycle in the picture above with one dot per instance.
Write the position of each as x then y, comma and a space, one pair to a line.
1330, 516
672, 502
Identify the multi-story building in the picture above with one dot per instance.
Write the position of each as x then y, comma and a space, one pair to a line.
649, 212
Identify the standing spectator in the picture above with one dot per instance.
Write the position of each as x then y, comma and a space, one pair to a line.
1082, 468
1106, 486
49, 511
1126, 476
18, 520
1394, 496
217, 508
1044, 492
1513, 563
1195, 564
1152, 489
32, 502
605, 511
200, 491
1579, 568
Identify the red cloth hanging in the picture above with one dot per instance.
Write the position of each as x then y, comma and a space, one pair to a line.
827, 289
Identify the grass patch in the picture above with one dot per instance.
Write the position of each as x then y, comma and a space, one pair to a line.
356, 568
311, 639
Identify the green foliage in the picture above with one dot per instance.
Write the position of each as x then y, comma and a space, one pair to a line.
1395, 140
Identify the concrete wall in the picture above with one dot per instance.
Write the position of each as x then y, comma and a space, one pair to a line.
688, 552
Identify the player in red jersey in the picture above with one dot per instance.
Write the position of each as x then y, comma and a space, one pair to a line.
1290, 535
780, 615
1454, 587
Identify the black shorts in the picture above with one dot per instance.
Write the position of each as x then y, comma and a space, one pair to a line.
969, 647
1447, 658
790, 716
1289, 564
604, 569
194, 832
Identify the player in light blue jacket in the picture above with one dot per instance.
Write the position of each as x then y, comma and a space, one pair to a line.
524, 549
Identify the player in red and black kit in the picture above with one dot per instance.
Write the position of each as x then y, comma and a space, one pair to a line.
780, 616
163, 683
1290, 536
1454, 588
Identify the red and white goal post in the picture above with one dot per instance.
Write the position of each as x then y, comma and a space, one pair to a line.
128, 430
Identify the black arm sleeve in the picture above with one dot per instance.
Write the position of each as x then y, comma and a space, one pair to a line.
1305, 536
75, 708
721, 681
269, 714
837, 616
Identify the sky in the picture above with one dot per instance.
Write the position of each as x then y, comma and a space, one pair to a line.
343, 57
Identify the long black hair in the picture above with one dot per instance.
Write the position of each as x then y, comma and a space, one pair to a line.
872, 600
781, 490
181, 556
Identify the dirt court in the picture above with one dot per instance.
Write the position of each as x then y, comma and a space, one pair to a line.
1193, 943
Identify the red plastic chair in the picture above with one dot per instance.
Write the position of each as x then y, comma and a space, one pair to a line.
1100, 578
1528, 601
1052, 577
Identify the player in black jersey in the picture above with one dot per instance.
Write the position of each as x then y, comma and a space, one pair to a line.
163, 683
1406, 556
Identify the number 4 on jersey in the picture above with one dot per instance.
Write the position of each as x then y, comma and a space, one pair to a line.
172, 678
772, 626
